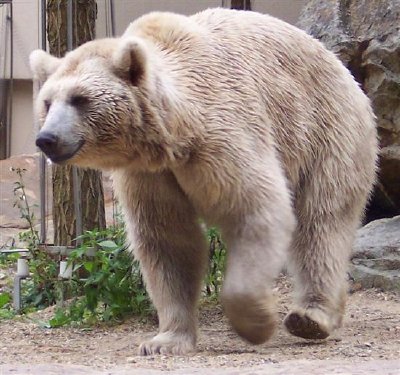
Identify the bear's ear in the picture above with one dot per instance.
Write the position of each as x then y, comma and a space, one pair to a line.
43, 65
130, 60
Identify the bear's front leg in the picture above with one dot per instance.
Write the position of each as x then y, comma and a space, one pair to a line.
258, 238
170, 246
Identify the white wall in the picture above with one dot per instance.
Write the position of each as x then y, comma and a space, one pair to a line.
22, 130
26, 32
127, 11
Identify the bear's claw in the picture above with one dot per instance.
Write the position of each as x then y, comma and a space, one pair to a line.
304, 327
168, 343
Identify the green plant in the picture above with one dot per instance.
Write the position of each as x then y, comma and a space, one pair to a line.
39, 291
31, 236
8, 260
6, 310
112, 286
216, 268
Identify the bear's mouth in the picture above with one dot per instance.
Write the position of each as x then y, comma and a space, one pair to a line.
60, 158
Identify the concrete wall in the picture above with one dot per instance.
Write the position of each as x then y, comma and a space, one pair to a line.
27, 38
22, 129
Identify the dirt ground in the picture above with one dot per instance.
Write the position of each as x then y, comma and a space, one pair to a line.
371, 332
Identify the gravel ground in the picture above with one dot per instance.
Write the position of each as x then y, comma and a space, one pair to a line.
368, 343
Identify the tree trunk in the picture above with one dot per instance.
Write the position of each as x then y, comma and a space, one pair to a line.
241, 4
93, 213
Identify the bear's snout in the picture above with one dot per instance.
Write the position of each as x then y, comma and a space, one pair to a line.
47, 142
58, 150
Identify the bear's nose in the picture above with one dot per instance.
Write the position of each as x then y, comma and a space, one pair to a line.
47, 142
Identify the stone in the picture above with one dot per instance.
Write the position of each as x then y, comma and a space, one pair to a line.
378, 239
376, 255
365, 35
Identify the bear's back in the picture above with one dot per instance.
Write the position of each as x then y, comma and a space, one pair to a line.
262, 77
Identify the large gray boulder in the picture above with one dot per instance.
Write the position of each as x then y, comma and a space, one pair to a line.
365, 35
376, 255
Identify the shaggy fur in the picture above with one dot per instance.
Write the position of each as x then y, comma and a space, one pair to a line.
238, 118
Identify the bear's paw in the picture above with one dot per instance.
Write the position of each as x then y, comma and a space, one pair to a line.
311, 323
168, 343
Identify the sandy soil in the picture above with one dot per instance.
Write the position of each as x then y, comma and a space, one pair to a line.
371, 332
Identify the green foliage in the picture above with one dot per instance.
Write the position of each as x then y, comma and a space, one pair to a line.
39, 291
108, 282
8, 260
31, 236
5, 298
6, 311
216, 269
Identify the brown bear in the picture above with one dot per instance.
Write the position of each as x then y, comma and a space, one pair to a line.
234, 117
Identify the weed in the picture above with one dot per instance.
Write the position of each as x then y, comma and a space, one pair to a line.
31, 236
6, 311
216, 268
109, 282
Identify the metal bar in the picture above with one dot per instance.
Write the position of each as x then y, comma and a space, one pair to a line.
42, 161
10, 103
77, 204
70, 19
42, 171
17, 292
44, 25
76, 183
112, 13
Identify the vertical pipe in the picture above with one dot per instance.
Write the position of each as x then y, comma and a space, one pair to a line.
77, 204
112, 12
42, 161
76, 183
8, 141
43, 24
70, 30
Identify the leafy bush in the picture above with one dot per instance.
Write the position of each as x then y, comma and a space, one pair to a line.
108, 283
6, 310
216, 268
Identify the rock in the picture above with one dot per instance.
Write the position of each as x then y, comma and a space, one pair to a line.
378, 239
376, 255
368, 277
365, 35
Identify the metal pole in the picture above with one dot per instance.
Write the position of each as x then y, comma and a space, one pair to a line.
76, 183
42, 161
112, 13
70, 30
77, 204
44, 25
8, 141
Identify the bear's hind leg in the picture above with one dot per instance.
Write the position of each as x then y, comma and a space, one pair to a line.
319, 262
171, 248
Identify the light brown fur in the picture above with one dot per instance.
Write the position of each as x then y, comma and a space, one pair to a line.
245, 121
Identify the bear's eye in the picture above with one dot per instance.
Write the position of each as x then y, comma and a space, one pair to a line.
79, 100
47, 104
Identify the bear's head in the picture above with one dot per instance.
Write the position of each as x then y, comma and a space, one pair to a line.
94, 108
